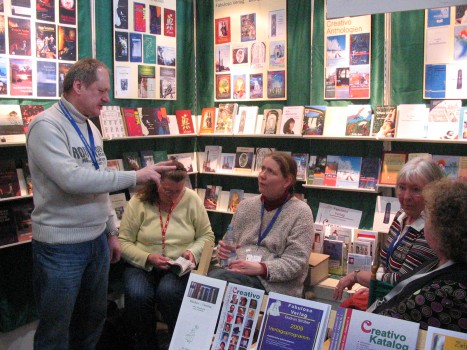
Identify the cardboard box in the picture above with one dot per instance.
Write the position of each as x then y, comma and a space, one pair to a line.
318, 269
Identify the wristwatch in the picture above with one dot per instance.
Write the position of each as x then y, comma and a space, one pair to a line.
355, 273
112, 233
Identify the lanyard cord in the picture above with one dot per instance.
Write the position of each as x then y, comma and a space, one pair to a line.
164, 226
262, 235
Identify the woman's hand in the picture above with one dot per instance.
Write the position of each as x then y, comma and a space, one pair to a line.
189, 256
250, 268
344, 282
224, 250
158, 261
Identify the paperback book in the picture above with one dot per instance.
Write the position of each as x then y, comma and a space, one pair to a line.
9, 181
443, 119
208, 119
369, 173
348, 171
147, 157
159, 156
302, 164
29, 112
235, 197
244, 158
181, 266
271, 120
184, 122
335, 121
356, 261
22, 215
187, 159
11, 124
132, 121
384, 123
449, 165
112, 124
212, 157
292, 120
444, 339
318, 171
330, 172
370, 236
8, 233
118, 201
131, 161
310, 172
245, 122
154, 121
359, 118
391, 164
313, 120
212, 196
225, 118
337, 256
385, 211
412, 121
227, 162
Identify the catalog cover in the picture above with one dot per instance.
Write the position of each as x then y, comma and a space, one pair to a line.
443, 339
359, 330
293, 323
239, 314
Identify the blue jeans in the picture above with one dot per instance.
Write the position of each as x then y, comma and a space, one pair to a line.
70, 288
143, 290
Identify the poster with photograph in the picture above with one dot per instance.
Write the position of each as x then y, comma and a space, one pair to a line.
145, 36
347, 58
251, 47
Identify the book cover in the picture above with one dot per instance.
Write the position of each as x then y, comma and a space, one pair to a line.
46, 79
223, 86
293, 323
292, 120
118, 201
28, 113
319, 239
449, 165
302, 163
139, 17
276, 84
358, 120
66, 43
131, 161
411, 121
181, 266
46, 45
159, 156
348, 171
11, 124
369, 173
336, 121
212, 158
67, 12
384, 123
132, 121
244, 157
245, 122
340, 233
337, 257
147, 157
443, 119
169, 22
222, 30
155, 19
239, 86
45, 11
154, 121
184, 122
187, 159
19, 34
121, 46
356, 261
318, 170
385, 211
202, 301
208, 119
235, 197
463, 124
238, 317
27, 176
173, 127
20, 83
371, 236
168, 83
391, 163
8, 233
444, 339
227, 162
9, 182
136, 47
313, 120
256, 83
146, 81
330, 171
261, 153
310, 172
225, 118
355, 329
362, 247
271, 121
22, 215
112, 124
211, 196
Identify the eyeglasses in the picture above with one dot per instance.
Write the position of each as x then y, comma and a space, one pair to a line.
413, 191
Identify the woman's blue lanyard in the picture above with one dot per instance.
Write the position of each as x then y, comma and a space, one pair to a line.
262, 235
90, 148
393, 246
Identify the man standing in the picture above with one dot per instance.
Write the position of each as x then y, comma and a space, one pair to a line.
74, 232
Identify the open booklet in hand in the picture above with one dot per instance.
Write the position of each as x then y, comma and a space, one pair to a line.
181, 266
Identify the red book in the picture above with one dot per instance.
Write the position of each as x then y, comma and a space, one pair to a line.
185, 122
139, 17
132, 122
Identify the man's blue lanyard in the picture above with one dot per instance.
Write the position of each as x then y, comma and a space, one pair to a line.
393, 246
262, 235
90, 148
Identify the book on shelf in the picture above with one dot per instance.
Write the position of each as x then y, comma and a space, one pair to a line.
160, 156
244, 158
9, 181
302, 164
385, 211
227, 162
212, 158
22, 215
384, 121
225, 118
132, 121
260, 154
287, 316
238, 317
173, 126
348, 171
335, 121
330, 171
28, 113
27, 176
359, 119
118, 201
463, 124
463, 168
337, 256
8, 233
310, 171
362, 247
235, 197
212, 196
318, 171
356, 261
131, 161
319, 238
449, 165
147, 157
355, 329
370, 236
202, 301
154, 121
187, 159
180, 266
184, 122
443, 119
271, 121
112, 124
411, 121
369, 173
391, 164
115, 165
245, 122
444, 339
423, 155
208, 120
339, 233
292, 120
11, 124
313, 120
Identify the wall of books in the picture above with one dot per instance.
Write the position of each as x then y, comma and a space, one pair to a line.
250, 50
38, 44
145, 47
446, 52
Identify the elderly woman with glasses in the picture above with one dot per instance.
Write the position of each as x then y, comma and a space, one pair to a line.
405, 247
160, 223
